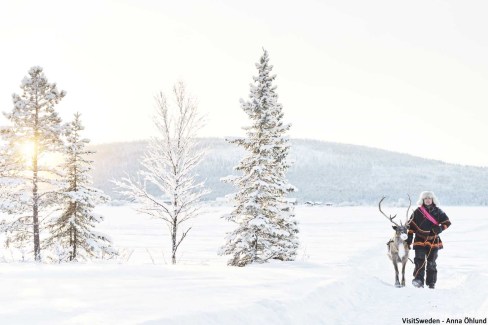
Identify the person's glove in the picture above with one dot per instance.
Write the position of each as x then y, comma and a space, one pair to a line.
437, 230
409, 240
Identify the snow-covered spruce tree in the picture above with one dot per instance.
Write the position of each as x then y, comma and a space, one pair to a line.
73, 231
266, 225
4, 155
8, 179
169, 165
8, 161
35, 131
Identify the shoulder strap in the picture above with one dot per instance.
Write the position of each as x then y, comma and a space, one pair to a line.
428, 216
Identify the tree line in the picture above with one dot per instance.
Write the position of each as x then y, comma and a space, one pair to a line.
49, 205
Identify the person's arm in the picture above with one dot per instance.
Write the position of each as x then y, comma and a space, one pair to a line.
411, 229
444, 223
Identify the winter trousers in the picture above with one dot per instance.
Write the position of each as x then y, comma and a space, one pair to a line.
421, 254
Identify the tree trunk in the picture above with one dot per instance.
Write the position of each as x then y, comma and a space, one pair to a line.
35, 216
74, 245
35, 194
35, 199
173, 238
71, 242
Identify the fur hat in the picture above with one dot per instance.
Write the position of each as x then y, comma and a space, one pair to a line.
426, 194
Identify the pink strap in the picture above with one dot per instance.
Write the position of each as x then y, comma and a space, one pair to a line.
428, 216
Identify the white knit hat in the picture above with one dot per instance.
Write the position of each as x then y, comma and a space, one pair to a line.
426, 194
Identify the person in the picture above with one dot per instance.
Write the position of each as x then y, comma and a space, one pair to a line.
426, 222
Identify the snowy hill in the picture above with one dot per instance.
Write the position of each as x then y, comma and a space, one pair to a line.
323, 171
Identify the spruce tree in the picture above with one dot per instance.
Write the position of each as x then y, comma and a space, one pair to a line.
266, 224
36, 125
72, 233
8, 163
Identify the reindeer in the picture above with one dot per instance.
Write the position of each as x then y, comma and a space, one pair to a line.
396, 243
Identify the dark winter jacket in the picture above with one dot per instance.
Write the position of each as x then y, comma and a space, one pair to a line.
426, 233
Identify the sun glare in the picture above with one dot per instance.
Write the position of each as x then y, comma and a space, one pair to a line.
27, 151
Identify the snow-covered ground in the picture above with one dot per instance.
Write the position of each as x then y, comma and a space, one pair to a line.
341, 276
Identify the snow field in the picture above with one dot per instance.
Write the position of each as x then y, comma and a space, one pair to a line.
341, 276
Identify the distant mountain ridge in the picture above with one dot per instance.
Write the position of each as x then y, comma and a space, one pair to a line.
322, 171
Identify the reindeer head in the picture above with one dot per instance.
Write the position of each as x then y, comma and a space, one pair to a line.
401, 230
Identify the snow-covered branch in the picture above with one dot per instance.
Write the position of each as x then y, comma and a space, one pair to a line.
169, 165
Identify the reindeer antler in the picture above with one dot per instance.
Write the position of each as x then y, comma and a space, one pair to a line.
406, 222
387, 217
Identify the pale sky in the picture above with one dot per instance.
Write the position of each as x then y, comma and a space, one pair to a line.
406, 76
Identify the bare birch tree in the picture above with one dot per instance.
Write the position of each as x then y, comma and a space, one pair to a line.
169, 165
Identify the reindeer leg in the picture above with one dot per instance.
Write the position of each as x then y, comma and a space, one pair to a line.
397, 281
404, 263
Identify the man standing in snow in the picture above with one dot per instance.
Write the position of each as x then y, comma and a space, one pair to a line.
427, 222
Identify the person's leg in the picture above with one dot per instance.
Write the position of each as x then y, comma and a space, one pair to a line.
431, 269
419, 271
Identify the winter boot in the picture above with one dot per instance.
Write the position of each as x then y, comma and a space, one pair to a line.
417, 283
431, 274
